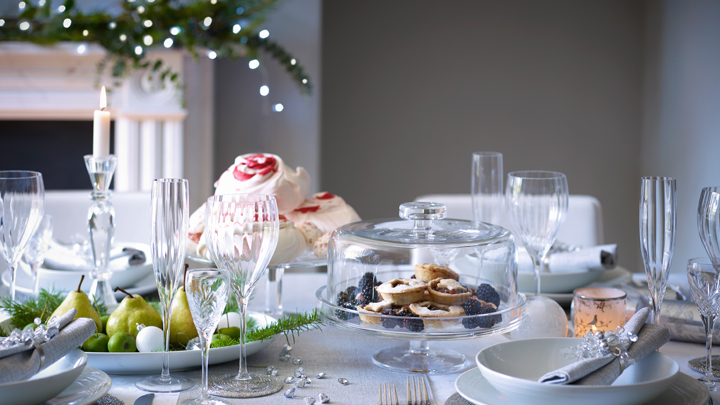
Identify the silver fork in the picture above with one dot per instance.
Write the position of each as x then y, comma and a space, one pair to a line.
391, 398
418, 391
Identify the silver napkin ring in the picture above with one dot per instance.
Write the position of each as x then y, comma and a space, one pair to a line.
42, 354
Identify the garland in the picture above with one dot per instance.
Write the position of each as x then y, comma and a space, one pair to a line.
220, 28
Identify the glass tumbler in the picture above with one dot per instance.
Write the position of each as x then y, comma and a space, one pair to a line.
487, 187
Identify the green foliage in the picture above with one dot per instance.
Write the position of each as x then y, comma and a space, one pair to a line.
121, 35
289, 325
24, 312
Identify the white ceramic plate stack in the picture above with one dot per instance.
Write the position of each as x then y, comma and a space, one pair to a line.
504, 376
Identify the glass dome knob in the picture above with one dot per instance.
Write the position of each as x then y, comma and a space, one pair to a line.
423, 211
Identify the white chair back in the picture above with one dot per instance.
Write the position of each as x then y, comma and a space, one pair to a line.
583, 225
69, 209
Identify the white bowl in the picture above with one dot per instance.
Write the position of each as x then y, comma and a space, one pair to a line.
513, 368
554, 283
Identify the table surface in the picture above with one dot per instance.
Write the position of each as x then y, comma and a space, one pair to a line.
344, 354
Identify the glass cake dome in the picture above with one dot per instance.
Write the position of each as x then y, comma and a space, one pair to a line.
422, 277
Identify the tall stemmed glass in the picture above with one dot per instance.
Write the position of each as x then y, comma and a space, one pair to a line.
487, 187
708, 221
207, 293
536, 203
705, 287
658, 221
37, 249
169, 232
22, 199
242, 234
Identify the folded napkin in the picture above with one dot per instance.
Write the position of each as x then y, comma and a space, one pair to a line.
20, 362
603, 257
604, 370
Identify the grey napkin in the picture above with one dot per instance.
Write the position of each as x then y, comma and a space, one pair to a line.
21, 363
583, 371
595, 258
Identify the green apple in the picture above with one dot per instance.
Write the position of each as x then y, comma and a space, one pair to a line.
122, 342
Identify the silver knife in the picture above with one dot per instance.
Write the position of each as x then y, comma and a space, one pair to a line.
145, 399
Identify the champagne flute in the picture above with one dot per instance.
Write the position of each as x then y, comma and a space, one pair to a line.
22, 198
207, 294
658, 221
537, 203
705, 287
242, 234
37, 249
169, 232
487, 187
709, 222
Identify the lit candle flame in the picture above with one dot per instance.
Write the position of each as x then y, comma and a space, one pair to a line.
103, 99
594, 329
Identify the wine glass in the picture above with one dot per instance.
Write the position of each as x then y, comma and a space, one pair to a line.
658, 221
708, 221
242, 234
705, 287
169, 232
37, 249
537, 203
207, 294
22, 198
487, 187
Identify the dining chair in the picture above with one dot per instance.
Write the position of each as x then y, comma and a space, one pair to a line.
583, 225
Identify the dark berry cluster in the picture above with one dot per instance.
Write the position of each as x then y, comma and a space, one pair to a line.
347, 300
367, 285
475, 307
487, 293
414, 325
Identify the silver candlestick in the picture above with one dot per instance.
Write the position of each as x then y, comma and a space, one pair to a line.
101, 226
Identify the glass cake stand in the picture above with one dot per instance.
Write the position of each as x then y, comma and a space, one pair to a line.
417, 356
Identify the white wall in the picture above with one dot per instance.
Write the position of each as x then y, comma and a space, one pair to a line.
681, 130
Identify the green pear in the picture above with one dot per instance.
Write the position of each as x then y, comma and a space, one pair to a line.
132, 310
182, 327
80, 301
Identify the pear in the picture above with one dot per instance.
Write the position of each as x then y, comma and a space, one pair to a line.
132, 310
182, 327
80, 301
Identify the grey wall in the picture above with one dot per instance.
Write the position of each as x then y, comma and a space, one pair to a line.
244, 120
412, 88
681, 131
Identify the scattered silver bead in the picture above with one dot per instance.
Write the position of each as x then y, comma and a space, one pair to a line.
300, 383
287, 348
297, 361
289, 380
323, 399
289, 393
272, 370
284, 356
320, 376
343, 381
308, 400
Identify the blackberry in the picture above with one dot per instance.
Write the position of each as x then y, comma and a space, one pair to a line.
346, 299
367, 285
390, 322
482, 321
413, 325
472, 307
487, 293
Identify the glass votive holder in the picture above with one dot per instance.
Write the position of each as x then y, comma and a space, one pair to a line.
598, 309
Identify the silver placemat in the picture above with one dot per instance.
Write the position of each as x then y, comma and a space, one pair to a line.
457, 399
698, 364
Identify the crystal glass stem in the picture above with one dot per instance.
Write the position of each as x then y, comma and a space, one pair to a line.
537, 268
242, 307
419, 347
709, 379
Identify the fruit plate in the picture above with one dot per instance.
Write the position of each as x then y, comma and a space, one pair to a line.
148, 363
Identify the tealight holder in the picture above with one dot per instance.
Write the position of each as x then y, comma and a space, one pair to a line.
598, 309
101, 226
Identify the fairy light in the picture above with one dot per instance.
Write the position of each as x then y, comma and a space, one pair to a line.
213, 1
21, 5
147, 40
112, 25
81, 49
264, 34
293, 61
207, 21
85, 33
138, 50
278, 107
41, 3
123, 37
140, 9
253, 64
168, 43
2, 22
61, 9
147, 23
24, 26
211, 54
236, 28
175, 30
239, 10
67, 23
264, 90
304, 81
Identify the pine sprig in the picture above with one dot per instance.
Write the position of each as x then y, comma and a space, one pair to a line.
289, 325
24, 312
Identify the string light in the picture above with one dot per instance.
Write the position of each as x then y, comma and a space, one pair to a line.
61, 9
239, 10
141, 9
41, 3
207, 21
253, 64
293, 61
264, 90
175, 30
264, 34
85, 33
213, 1
304, 81
112, 25
212, 54
138, 50
123, 37
147, 23
236, 28
278, 107
21, 5
147, 40
24, 26
168, 43
2, 22
81, 49
67, 23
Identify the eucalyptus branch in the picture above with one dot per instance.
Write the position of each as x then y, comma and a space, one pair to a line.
289, 325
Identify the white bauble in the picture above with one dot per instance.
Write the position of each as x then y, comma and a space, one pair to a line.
150, 339
543, 318
229, 320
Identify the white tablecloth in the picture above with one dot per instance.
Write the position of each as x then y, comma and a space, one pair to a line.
348, 355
